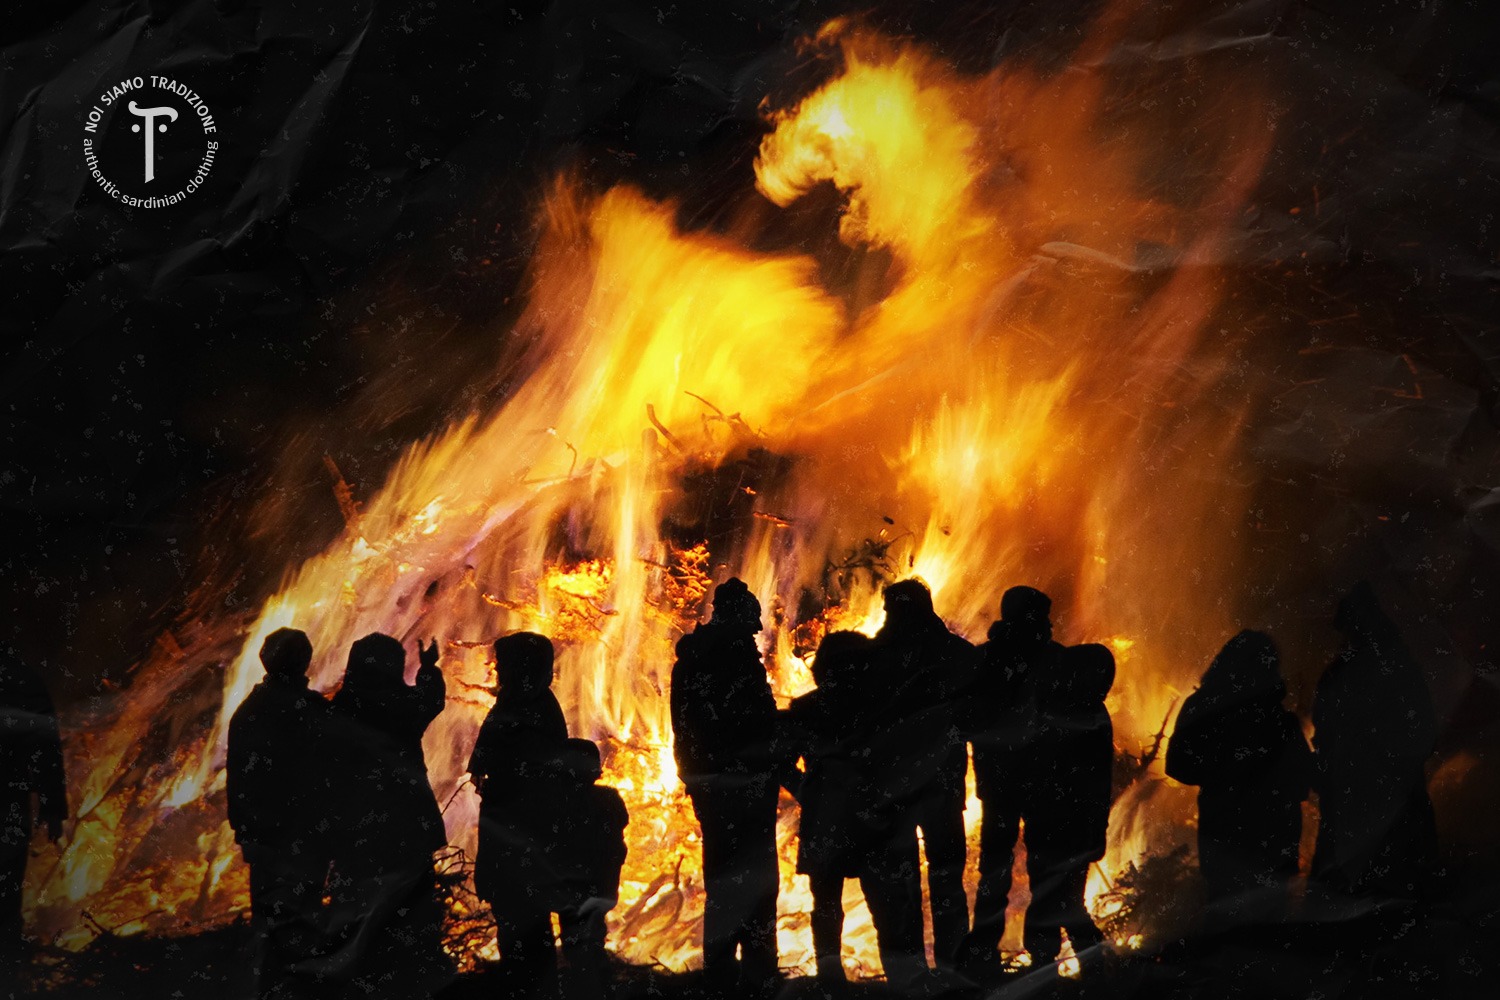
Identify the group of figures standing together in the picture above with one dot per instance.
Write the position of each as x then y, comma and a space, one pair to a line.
885, 739
332, 807
883, 744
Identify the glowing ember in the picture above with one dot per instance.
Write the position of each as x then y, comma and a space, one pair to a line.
1016, 405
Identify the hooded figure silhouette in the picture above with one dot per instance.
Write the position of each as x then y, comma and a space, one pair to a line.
1250, 761
387, 909
517, 765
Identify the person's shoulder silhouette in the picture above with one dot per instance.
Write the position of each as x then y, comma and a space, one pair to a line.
1071, 700
376, 694
1018, 654
1235, 720
1076, 742
1374, 685
525, 729
828, 715
388, 811
916, 656
275, 751
279, 778
723, 712
593, 822
1246, 753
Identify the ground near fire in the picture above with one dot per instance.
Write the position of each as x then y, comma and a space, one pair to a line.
550, 317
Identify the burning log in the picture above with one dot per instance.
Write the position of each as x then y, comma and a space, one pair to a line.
348, 507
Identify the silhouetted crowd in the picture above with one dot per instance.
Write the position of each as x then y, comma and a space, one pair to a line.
338, 824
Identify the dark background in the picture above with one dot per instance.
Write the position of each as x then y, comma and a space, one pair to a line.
171, 376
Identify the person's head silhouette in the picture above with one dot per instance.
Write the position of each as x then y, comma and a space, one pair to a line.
376, 660
1028, 613
735, 607
1082, 680
1246, 669
841, 659
908, 608
523, 663
581, 761
286, 654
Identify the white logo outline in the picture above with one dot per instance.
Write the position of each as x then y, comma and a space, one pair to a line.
186, 107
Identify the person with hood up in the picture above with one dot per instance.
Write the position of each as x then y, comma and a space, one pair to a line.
1066, 827
387, 906
516, 766
1251, 763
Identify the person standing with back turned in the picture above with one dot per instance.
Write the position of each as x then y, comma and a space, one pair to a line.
1250, 761
724, 724
924, 668
516, 766
1002, 720
276, 780
1067, 820
384, 886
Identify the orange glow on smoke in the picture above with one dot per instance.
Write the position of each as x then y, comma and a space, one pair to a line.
1016, 402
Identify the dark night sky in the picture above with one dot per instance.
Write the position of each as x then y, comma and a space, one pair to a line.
166, 372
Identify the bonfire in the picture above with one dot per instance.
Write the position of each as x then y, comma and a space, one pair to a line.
1006, 376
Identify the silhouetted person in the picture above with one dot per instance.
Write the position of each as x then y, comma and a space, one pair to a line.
277, 778
32, 792
924, 668
588, 853
1250, 761
1002, 718
1373, 731
724, 722
384, 889
882, 836
1068, 817
516, 766
856, 823
823, 728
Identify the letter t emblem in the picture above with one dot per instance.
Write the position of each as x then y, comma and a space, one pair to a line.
151, 114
